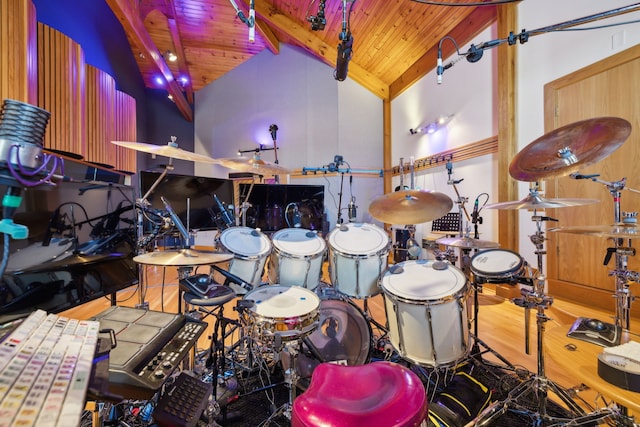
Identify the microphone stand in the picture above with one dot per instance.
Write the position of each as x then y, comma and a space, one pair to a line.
274, 130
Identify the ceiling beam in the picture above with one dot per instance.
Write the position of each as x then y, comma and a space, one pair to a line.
476, 22
134, 27
317, 47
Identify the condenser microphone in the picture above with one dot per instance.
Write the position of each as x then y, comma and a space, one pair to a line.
226, 218
474, 214
344, 56
297, 218
439, 69
176, 220
352, 209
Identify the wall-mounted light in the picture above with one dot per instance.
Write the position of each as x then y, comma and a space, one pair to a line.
170, 56
433, 126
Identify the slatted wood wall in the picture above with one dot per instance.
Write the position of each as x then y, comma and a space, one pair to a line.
41, 66
18, 51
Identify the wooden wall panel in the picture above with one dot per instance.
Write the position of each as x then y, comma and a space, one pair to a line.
61, 79
101, 96
125, 130
18, 51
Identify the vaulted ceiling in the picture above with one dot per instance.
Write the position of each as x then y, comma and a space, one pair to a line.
395, 42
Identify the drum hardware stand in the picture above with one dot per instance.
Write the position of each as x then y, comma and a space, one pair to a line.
622, 293
460, 201
291, 378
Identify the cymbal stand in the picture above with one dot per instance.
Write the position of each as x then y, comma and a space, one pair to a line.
537, 299
460, 201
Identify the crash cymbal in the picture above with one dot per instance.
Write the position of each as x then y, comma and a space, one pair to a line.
253, 165
170, 150
467, 242
616, 231
410, 206
182, 257
569, 148
535, 201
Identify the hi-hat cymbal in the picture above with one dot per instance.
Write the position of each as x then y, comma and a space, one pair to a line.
535, 201
170, 150
184, 257
569, 148
410, 206
253, 165
616, 231
467, 242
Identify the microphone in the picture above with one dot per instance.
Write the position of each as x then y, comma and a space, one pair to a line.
344, 56
54, 226
252, 23
474, 214
439, 69
233, 278
297, 218
579, 176
352, 209
176, 220
225, 214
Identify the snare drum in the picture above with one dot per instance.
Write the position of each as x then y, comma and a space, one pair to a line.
288, 311
426, 306
357, 258
297, 258
496, 266
250, 249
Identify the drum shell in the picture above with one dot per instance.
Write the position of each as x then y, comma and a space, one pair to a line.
496, 266
250, 249
296, 258
356, 272
428, 329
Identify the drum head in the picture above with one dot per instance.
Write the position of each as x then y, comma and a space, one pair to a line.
282, 302
496, 263
359, 239
298, 241
418, 280
245, 242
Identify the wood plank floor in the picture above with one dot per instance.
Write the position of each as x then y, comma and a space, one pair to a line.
501, 323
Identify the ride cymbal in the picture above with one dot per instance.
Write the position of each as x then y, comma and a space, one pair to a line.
183, 257
615, 231
410, 206
253, 165
569, 148
170, 150
467, 242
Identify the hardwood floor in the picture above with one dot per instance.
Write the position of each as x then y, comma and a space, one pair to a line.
501, 323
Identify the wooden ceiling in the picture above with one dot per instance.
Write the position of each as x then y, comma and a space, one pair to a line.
395, 42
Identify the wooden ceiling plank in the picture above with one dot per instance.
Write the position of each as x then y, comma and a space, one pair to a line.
481, 18
318, 47
182, 62
134, 27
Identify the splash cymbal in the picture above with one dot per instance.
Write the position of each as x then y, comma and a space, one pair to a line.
569, 148
170, 150
535, 201
467, 242
183, 257
615, 231
253, 165
410, 206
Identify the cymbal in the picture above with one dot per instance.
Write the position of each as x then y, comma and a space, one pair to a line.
183, 257
535, 201
410, 206
253, 165
170, 150
616, 231
569, 148
467, 242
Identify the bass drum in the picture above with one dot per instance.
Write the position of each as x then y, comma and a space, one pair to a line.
343, 335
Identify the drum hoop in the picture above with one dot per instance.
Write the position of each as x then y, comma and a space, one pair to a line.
379, 251
459, 294
309, 293
502, 273
262, 254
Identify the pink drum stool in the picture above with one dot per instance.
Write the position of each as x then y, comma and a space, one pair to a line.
381, 394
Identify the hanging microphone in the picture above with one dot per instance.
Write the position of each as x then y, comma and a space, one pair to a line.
352, 209
439, 69
273, 129
252, 22
176, 220
344, 56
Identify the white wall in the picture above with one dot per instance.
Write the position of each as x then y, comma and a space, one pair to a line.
317, 118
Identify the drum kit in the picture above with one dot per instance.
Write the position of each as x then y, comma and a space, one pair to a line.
422, 298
